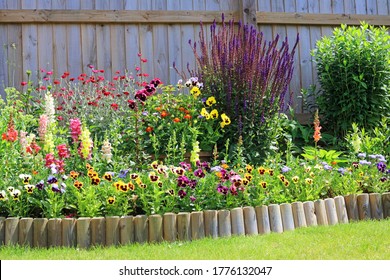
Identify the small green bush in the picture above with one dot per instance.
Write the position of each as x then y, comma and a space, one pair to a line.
353, 68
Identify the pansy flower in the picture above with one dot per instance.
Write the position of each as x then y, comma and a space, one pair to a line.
10, 189
29, 188
181, 193
154, 165
261, 170
248, 176
95, 181
282, 177
171, 192
225, 120
3, 195
295, 179
118, 184
199, 173
270, 172
25, 178
286, 183
40, 185
160, 184
88, 166
108, 176
263, 184
249, 168
77, 184
73, 174
210, 101
134, 176
195, 91
179, 171
52, 180
123, 173
130, 186
222, 189
309, 181
111, 200
153, 177
15, 194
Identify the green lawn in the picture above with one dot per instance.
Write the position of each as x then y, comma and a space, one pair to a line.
365, 240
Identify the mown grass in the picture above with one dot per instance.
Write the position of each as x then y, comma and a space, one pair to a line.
364, 240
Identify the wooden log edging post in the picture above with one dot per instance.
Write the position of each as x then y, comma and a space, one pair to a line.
320, 211
183, 226
237, 218
112, 231
54, 232
376, 207
275, 218
263, 225
224, 223
363, 204
69, 234
169, 227
331, 213
26, 228
2, 231
83, 232
287, 216
141, 229
351, 205
98, 231
250, 221
211, 223
126, 230
298, 214
310, 216
341, 210
40, 232
155, 228
12, 231
386, 204
197, 225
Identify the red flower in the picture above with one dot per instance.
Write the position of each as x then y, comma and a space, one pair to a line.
164, 114
56, 82
176, 120
187, 117
114, 106
63, 151
23, 83
149, 129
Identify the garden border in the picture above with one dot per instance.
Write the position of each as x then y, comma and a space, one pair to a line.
184, 226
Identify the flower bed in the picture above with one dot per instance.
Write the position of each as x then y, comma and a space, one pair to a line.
99, 231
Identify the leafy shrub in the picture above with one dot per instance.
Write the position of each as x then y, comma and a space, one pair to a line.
354, 73
249, 77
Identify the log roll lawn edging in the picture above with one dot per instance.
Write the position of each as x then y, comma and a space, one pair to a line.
86, 232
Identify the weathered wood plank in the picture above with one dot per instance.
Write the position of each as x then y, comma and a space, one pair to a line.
12, 231
311, 218
141, 229
351, 205
83, 230
287, 216
183, 226
54, 232
170, 227
237, 218
224, 223
250, 220
275, 218
40, 232
155, 228
341, 210
263, 224
376, 207
126, 230
197, 225
320, 211
112, 231
298, 214
211, 223
69, 233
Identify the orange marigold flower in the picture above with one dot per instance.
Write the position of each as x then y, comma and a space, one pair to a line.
187, 117
176, 120
164, 114
149, 129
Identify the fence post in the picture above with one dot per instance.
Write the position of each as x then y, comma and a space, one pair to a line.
248, 12
320, 211
287, 216
141, 229
331, 213
83, 232
112, 230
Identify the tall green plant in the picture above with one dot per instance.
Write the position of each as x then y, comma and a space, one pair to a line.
353, 68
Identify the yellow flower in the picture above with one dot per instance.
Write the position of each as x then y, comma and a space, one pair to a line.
309, 181
295, 179
210, 101
225, 120
249, 168
214, 114
195, 92
111, 200
204, 113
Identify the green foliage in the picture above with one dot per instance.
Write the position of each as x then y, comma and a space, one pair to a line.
353, 68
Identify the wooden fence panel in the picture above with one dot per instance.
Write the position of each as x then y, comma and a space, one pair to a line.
100, 33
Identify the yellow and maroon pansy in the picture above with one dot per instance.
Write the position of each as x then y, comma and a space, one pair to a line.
111, 200
74, 174
77, 184
107, 176
95, 181
261, 170
29, 188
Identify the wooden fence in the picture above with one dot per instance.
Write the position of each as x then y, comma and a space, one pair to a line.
70, 35
110, 231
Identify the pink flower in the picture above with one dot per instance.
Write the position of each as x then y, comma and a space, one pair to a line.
75, 129
49, 160
43, 122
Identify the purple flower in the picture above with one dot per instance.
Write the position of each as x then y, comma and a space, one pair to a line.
222, 189
381, 166
192, 183
40, 185
123, 173
182, 193
342, 170
55, 188
361, 155
327, 167
185, 165
285, 169
199, 173
364, 162
216, 168
383, 179
52, 180
182, 181
192, 198
233, 190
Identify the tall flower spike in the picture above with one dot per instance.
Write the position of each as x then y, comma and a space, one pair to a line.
106, 151
43, 122
317, 127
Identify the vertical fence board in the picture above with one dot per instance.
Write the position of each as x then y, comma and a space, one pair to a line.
224, 223
376, 207
11, 231
155, 228
54, 232
59, 44
3, 54
275, 218
69, 232
170, 227
141, 229
211, 223
183, 226
263, 225
40, 232
126, 230
74, 54
45, 34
